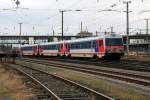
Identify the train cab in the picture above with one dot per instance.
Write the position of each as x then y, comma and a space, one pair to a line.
114, 47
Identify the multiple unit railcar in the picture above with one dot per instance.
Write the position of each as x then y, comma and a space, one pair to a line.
30, 50
105, 47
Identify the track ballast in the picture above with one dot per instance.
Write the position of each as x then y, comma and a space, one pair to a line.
58, 87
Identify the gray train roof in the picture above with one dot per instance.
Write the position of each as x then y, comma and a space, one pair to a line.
29, 45
51, 43
92, 38
77, 40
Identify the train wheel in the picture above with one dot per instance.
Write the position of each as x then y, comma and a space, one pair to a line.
63, 56
95, 57
58, 55
38, 55
42, 55
33, 55
69, 56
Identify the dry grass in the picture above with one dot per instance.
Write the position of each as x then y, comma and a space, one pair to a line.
11, 85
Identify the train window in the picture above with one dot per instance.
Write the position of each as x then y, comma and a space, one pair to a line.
50, 47
74, 46
114, 42
27, 48
88, 45
81, 45
94, 44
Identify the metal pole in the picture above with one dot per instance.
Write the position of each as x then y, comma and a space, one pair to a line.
127, 27
62, 25
112, 30
20, 33
17, 3
81, 27
96, 33
147, 29
147, 25
62, 11
53, 31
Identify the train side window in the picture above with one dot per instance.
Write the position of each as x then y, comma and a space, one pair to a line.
94, 44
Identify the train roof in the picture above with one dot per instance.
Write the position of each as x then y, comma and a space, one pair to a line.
29, 45
92, 38
76, 40
51, 43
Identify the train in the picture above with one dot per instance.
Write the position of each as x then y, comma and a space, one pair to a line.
103, 47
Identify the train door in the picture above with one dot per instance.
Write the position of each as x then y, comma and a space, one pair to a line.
61, 49
34, 48
96, 43
67, 48
40, 50
101, 46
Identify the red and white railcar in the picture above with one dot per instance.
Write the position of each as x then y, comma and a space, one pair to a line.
99, 47
96, 47
30, 50
50, 49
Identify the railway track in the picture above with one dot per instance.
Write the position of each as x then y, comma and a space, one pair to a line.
59, 88
122, 64
123, 76
129, 65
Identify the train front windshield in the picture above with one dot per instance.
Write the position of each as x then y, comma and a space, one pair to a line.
114, 42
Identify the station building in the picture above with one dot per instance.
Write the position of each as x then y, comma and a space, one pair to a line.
30, 39
139, 43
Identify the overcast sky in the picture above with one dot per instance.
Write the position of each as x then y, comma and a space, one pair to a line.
39, 16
